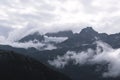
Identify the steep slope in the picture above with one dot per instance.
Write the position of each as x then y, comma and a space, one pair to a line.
88, 36
18, 67
32, 37
85, 37
113, 40
60, 34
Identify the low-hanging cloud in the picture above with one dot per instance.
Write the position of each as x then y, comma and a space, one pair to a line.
16, 35
55, 39
104, 53
30, 44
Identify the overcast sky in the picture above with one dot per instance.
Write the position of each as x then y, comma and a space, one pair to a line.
21, 15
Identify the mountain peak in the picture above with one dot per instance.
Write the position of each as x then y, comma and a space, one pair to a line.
31, 37
36, 33
88, 30
67, 33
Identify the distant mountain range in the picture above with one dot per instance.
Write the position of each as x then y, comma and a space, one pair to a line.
75, 42
68, 33
86, 37
38, 37
31, 37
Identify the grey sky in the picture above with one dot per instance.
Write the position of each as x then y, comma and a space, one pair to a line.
103, 15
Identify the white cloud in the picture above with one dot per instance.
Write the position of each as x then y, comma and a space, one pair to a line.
48, 13
55, 39
31, 44
25, 45
2, 39
103, 54
50, 47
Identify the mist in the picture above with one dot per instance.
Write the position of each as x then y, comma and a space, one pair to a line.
104, 54
31, 44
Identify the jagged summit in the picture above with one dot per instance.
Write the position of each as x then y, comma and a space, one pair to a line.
87, 36
88, 30
31, 37
67, 33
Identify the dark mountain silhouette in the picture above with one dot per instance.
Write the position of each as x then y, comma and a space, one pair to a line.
35, 36
88, 31
68, 33
18, 67
88, 36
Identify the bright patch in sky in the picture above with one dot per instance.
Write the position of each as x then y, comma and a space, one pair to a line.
102, 15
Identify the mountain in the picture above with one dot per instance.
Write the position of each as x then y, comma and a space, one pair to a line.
48, 38
14, 66
75, 72
88, 31
85, 37
33, 37
77, 42
113, 40
68, 33
88, 36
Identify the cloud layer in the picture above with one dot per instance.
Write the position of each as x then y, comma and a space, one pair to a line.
104, 54
55, 39
52, 15
31, 44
